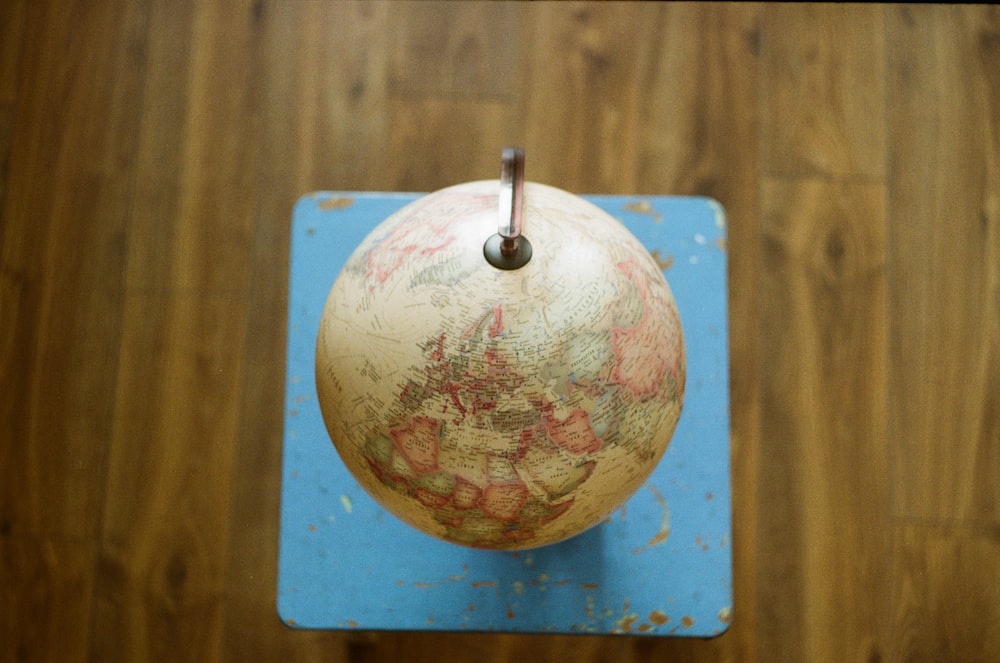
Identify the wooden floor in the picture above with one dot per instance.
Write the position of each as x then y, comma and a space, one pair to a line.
150, 153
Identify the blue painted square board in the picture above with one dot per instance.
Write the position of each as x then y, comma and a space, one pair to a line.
661, 565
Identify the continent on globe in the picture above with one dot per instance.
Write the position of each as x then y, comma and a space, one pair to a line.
640, 363
497, 408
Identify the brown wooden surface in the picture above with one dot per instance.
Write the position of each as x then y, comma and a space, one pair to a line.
150, 153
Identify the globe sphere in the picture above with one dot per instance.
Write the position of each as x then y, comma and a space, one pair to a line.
493, 408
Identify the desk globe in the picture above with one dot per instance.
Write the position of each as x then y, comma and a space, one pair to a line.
500, 401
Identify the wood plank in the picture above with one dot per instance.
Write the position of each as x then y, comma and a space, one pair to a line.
435, 143
944, 119
324, 98
61, 249
322, 119
699, 136
45, 595
165, 537
6, 140
165, 105
12, 23
452, 75
448, 50
824, 94
197, 158
580, 90
824, 490
946, 593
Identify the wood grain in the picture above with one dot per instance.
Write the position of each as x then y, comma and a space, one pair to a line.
582, 67
46, 587
64, 227
12, 18
946, 594
453, 137
164, 543
191, 228
945, 263
324, 93
151, 153
824, 95
6, 138
164, 539
446, 50
824, 544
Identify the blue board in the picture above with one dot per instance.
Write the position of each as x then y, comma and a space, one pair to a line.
661, 565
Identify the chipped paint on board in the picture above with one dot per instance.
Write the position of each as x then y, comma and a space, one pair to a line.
719, 213
643, 207
337, 202
664, 532
664, 263
624, 623
639, 207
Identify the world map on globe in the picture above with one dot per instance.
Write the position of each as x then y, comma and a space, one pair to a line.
500, 409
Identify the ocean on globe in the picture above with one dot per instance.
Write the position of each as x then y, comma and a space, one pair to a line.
500, 409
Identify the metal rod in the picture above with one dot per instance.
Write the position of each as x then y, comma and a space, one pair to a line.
511, 198
509, 249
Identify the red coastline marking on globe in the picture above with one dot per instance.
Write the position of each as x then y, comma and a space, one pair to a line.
409, 239
503, 501
574, 434
639, 366
391, 253
418, 443
496, 329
